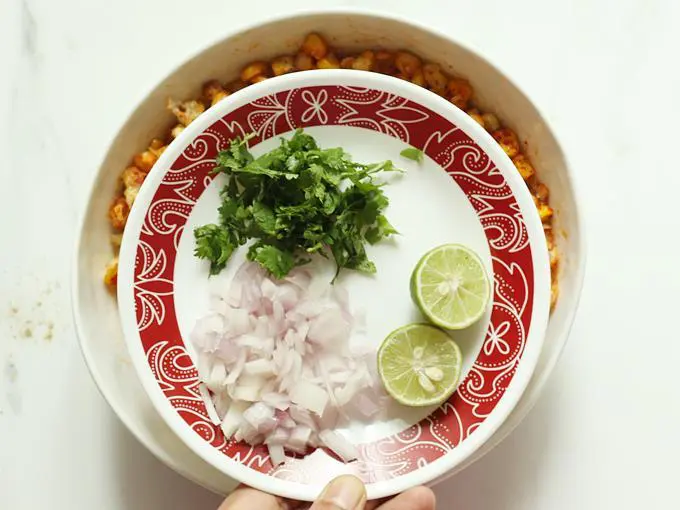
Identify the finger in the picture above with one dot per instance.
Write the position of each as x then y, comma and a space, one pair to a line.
418, 498
344, 493
245, 498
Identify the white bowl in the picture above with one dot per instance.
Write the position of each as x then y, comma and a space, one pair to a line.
95, 309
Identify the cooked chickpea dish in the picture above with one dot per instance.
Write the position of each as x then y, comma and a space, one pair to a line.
315, 53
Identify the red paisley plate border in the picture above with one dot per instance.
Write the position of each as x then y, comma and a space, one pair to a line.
428, 449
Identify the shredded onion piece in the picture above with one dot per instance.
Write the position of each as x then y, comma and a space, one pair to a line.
339, 445
233, 419
209, 405
276, 454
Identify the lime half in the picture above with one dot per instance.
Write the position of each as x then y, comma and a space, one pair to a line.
419, 365
450, 286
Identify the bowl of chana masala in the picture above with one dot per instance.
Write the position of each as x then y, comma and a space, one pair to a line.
318, 41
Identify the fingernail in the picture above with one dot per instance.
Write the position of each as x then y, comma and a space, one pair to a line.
345, 493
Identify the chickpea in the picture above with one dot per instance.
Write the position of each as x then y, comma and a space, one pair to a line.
214, 92
507, 139
236, 85
460, 92
435, 78
218, 97
315, 46
364, 62
549, 236
157, 147
186, 112
418, 78
407, 63
384, 63
330, 61
545, 212
476, 116
176, 130
111, 274
132, 176
145, 160
253, 70
491, 122
118, 213
283, 65
130, 195
542, 192
304, 62
525, 168
347, 63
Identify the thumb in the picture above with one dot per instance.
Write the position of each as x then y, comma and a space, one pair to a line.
245, 498
344, 493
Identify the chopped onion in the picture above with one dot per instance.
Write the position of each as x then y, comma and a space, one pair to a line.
247, 393
261, 417
209, 405
276, 364
276, 400
247, 433
207, 332
329, 419
276, 454
237, 368
285, 420
299, 437
366, 406
329, 328
339, 445
233, 419
217, 377
262, 367
309, 396
222, 402
278, 436
355, 383
301, 416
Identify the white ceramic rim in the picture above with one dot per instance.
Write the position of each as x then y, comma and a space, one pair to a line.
540, 310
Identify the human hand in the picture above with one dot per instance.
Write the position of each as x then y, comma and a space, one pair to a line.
343, 493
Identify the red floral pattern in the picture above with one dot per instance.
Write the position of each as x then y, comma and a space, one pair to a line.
453, 150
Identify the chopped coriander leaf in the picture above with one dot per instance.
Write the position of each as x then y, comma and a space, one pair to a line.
215, 244
413, 154
380, 231
277, 261
293, 201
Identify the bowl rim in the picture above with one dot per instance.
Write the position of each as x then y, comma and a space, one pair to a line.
578, 235
541, 274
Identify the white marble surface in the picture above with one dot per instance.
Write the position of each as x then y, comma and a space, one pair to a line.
605, 433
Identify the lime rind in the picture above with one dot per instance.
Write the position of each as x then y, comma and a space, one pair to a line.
419, 365
466, 289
